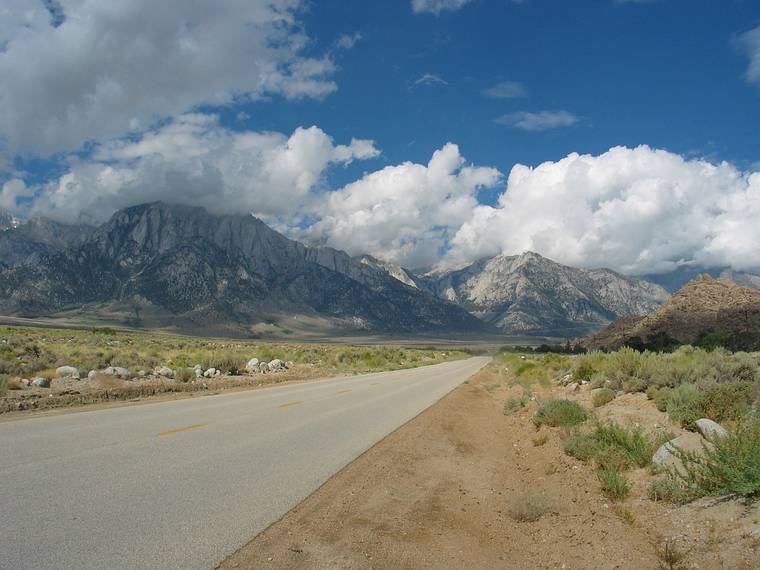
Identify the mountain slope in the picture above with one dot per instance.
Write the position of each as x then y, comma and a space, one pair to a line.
701, 306
21, 243
677, 278
180, 266
529, 294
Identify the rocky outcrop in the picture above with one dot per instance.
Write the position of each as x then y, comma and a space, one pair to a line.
529, 294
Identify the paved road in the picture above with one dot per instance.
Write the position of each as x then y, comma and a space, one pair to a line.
182, 484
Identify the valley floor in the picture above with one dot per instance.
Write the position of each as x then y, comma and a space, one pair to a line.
442, 492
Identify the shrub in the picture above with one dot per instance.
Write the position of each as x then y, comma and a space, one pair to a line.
184, 374
614, 484
3, 384
583, 446
560, 413
726, 401
637, 446
668, 490
602, 397
514, 404
529, 508
730, 467
540, 440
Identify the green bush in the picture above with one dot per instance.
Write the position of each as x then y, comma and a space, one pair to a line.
730, 467
583, 446
514, 404
602, 397
614, 484
726, 401
634, 443
560, 413
184, 374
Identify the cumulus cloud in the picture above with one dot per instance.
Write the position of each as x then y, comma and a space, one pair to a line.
540, 121
193, 160
749, 42
78, 70
506, 90
636, 210
437, 6
404, 213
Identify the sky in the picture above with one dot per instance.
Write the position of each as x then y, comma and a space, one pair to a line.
429, 133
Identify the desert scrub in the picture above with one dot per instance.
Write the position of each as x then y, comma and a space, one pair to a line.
3, 384
686, 404
730, 466
637, 445
512, 405
529, 508
614, 484
602, 396
583, 446
560, 413
184, 374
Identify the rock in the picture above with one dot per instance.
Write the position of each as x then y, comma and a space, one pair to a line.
117, 371
41, 382
566, 379
665, 456
276, 364
263, 366
209, 373
710, 429
91, 374
67, 372
198, 372
165, 371
25, 382
218, 372
290, 364
252, 365
573, 387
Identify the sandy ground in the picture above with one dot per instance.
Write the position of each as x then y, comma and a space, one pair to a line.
437, 493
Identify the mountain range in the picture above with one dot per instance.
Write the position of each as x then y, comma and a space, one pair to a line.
173, 266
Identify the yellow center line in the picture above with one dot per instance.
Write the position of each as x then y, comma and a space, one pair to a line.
344, 391
179, 430
290, 404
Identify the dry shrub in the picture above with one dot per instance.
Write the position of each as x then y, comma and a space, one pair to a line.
14, 384
529, 508
106, 382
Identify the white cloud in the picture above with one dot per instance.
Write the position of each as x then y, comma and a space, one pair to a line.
115, 67
404, 213
437, 6
429, 79
540, 121
636, 210
193, 160
749, 42
348, 41
506, 90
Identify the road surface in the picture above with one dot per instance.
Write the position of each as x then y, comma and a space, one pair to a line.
184, 483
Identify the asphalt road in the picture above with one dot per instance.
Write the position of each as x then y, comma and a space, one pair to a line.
184, 483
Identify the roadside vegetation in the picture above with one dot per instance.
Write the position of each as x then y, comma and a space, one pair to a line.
688, 384
27, 353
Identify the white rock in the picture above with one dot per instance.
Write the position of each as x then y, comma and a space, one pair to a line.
710, 429
198, 372
209, 373
117, 371
263, 366
165, 371
573, 387
67, 372
91, 374
41, 382
252, 365
665, 455
218, 373
275, 364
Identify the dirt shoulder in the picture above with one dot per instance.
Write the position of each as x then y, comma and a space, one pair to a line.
437, 493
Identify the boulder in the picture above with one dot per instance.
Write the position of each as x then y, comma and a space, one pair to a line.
25, 382
573, 387
710, 429
252, 365
117, 371
218, 372
165, 371
198, 372
665, 455
67, 372
263, 366
91, 374
276, 364
209, 373
41, 382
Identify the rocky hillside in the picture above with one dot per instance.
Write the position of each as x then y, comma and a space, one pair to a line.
529, 294
23, 243
704, 305
677, 278
169, 265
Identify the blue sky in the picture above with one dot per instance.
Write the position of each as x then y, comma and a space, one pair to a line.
325, 118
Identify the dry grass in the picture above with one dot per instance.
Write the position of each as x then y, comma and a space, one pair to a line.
529, 508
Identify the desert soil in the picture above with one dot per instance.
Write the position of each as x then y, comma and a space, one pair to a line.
437, 493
